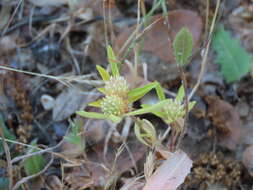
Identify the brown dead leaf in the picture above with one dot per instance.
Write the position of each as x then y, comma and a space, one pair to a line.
171, 173
227, 121
248, 159
159, 38
67, 103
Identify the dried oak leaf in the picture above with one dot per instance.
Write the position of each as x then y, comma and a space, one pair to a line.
171, 173
159, 38
227, 121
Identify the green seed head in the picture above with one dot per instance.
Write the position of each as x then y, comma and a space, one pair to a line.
116, 86
113, 105
174, 110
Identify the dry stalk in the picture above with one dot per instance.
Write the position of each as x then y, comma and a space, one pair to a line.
206, 50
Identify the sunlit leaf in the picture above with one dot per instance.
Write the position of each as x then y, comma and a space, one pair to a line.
156, 112
103, 73
96, 103
180, 94
113, 61
182, 46
148, 109
102, 90
35, 163
160, 92
138, 93
191, 105
92, 115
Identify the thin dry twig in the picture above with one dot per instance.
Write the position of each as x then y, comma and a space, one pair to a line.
206, 51
26, 179
11, 19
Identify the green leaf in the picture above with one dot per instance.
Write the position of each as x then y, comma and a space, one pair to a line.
231, 56
74, 135
34, 164
191, 105
180, 94
7, 134
149, 109
92, 115
103, 73
157, 113
160, 92
102, 90
182, 46
96, 103
138, 93
113, 61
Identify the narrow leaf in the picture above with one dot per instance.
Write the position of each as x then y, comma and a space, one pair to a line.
160, 92
138, 93
182, 46
103, 73
191, 105
231, 56
96, 103
180, 94
113, 61
148, 109
92, 115
102, 90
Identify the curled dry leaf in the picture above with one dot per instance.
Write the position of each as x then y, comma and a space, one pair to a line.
158, 39
171, 173
227, 121
248, 159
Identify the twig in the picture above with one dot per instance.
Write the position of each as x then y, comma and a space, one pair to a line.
204, 61
8, 158
26, 179
11, 19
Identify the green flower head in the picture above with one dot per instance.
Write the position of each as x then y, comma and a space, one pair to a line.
114, 105
116, 86
174, 109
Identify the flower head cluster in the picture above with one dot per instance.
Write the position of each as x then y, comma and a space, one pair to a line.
113, 105
116, 86
174, 110
115, 101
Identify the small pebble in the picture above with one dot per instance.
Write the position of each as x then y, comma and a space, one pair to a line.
47, 102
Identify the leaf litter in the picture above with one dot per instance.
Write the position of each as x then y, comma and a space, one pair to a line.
80, 47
